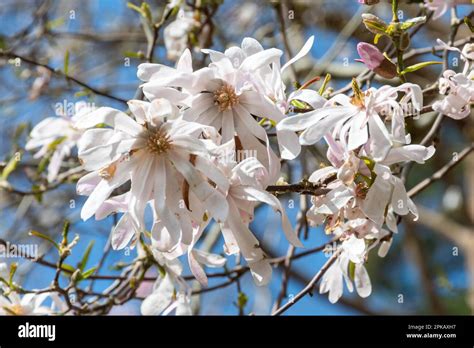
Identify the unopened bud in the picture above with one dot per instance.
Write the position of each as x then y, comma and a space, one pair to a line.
404, 41
376, 61
374, 24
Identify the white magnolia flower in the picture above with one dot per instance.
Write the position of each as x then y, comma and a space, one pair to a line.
357, 118
29, 304
388, 189
155, 151
223, 96
440, 7
268, 82
57, 134
339, 272
458, 91
248, 180
170, 291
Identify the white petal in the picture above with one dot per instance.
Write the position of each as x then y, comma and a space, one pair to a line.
362, 281
304, 51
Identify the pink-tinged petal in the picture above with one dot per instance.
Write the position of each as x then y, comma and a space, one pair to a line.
253, 194
377, 199
259, 105
87, 183
209, 170
228, 130
332, 282
56, 161
117, 119
358, 134
384, 248
321, 174
230, 243
122, 233
379, 143
324, 125
249, 247
196, 269
146, 71
139, 110
288, 143
399, 197
417, 153
190, 145
185, 62
260, 59
116, 204
303, 52
303, 121
212, 199
362, 281
160, 299
209, 259
95, 157
251, 46
334, 200
250, 123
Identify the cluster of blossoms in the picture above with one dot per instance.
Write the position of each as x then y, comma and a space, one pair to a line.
197, 150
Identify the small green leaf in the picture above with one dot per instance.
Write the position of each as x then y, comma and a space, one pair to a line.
87, 274
135, 8
66, 62
132, 54
327, 78
85, 257
65, 231
11, 166
299, 104
377, 38
351, 270
45, 237
68, 267
418, 66
13, 268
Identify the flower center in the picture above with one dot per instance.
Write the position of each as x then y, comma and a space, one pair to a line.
15, 309
158, 141
225, 97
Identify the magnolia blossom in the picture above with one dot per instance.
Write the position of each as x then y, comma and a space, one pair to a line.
154, 150
170, 292
353, 252
458, 92
240, 84
390, 189
58, 135
441, 6
355, 118
12, 303
247, 180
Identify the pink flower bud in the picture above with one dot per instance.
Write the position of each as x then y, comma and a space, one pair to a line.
375, 60
370, 55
